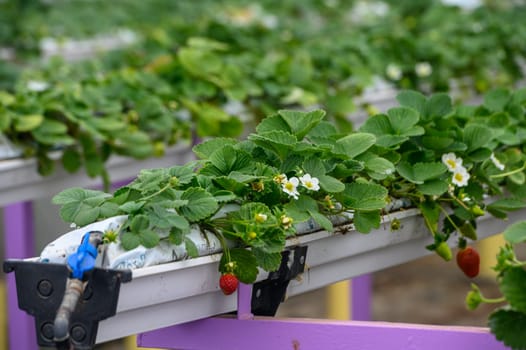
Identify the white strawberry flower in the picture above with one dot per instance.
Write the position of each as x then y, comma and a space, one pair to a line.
393, 72
310, 183
37, 85
496, 162
290, 187
423, 69
452, 161
460, 177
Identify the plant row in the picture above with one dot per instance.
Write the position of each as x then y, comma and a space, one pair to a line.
210, 68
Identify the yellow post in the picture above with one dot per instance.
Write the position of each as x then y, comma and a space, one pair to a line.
130, 343
338, 301
488, 249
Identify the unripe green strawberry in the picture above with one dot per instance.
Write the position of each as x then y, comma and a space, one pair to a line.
473, 298
228, 283
444, 251
468, 260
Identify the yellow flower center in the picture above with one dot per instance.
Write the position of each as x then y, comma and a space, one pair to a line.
289, 186
451, 163
459, 177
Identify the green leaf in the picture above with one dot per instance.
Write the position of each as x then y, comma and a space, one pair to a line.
518, 178
130, 240
366, 221
433, 187
512, 285
412, 99
354, 144
223, 196
379, 165
508, 204
5, 119
300, 123
149, 238
109, 209
162, 218
28, 122
438, 105
245, 264
364, 196
431, 212
436, 142
273, 123
205, 149
228, 159
83, 215
497, 99
80, 206
314, 167
420, 172
184, 173
107, 124
277, 141
191, 248
508, 326
139, 223
268, 261
515, 233
480, 155
476, 136
132, 207
201, 204
331, 184
321, 220
402, 120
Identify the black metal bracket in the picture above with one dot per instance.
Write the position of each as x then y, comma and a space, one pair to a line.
40, 289
269, 293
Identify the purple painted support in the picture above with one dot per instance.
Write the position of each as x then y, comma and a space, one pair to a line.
244, 302
361, 289
265, 333
19, 243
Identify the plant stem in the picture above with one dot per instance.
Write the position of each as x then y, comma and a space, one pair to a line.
498, 176
449, 218
492, 300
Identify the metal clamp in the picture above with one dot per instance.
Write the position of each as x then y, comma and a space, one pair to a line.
40, 291
269, 293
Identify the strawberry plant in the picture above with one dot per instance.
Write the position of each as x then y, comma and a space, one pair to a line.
445, 160
210, 66
508, 321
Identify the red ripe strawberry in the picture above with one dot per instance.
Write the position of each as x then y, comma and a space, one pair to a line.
228, 283
468, 260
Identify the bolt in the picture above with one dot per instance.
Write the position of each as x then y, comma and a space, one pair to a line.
45, 288
47, 331
302, 259
78, 333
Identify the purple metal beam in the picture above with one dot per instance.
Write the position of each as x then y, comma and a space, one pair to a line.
19, 243
265, 333
361, 289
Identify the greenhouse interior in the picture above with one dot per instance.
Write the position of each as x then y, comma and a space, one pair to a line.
238, 174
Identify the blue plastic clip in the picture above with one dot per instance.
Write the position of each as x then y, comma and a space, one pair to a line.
83, 260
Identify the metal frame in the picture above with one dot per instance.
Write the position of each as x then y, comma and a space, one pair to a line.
262, 333
185, 291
